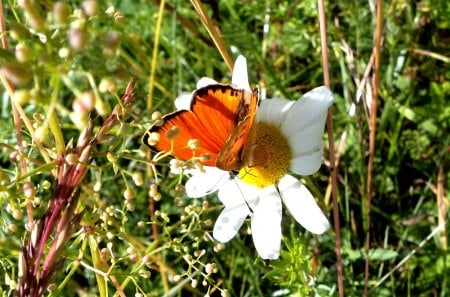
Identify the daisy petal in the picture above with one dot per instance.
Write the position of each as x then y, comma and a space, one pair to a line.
203, 183
273, 111
302, 206
239, 79
308, 162
233, 192
205, 81
266, 224
183, 102
229, 222
308, 110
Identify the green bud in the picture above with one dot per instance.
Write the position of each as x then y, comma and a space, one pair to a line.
61, 12
22, 96
16, 73
19, 32
77, 39
23, 53
90, 7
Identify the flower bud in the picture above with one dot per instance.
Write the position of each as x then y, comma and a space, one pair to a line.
17, 214
107, 84
175, 166
156, 115
77, 39
84, 103
173, 132
22, 53
119, 17
28, 189
130, 206
63, 52
79, 119
11, 229
113, 39
128, 194
16, 73
22, 96
90, 7
19, 32
193, 144
46, 184
61, 12
194, 283
153, 138
137, 178
13, 157
144, 273
97, 186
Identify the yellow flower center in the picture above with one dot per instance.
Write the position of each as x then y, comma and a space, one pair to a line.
269, 156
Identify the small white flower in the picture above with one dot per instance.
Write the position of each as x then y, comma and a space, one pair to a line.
288, 137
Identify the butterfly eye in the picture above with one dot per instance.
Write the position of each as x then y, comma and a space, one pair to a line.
172, 132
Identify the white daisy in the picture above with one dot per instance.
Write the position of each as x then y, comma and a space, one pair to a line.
288, 138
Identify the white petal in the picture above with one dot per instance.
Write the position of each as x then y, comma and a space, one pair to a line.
266, 224
308, 162
273, 111
310, 109
239, 79
229, 222
205, 81
233, 192
308, 138
203, 183
302, 206
183, 102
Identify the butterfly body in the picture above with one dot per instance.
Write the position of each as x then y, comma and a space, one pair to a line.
220, 118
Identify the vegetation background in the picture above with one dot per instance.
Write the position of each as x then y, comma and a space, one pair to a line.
73, 163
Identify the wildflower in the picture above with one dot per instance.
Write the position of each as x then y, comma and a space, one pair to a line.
287, 137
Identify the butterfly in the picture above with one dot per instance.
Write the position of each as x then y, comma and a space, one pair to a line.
220, 118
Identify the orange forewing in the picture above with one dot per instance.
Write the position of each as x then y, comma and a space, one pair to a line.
220, 117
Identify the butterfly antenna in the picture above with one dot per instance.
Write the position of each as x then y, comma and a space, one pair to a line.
214, 186
233, 176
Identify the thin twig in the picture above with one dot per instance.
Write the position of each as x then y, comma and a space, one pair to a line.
326, 78
213, 32
442, 208
155, 55
187, 24
407, 257
373, 126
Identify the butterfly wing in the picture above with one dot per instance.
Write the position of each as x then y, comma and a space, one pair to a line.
234, 153
190, 127
216, 111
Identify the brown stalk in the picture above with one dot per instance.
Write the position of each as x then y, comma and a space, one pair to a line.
373, 127
187, 24
334, 193
61, 216
213, 32
442, 208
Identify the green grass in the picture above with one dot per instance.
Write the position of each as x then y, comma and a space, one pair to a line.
161, 245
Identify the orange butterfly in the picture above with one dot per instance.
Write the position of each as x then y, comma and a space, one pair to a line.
220, 118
